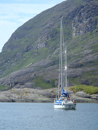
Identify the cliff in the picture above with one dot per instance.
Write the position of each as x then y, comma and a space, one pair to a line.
30, 57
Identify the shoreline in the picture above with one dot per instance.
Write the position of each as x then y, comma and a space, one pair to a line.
27, 95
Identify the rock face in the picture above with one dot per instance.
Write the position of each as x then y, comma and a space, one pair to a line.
83, 97
85, 22
33, 49
35, 95
24, 78
83, 94
27, 95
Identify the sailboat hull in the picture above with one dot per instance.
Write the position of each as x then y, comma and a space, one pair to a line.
67, 106
59, 106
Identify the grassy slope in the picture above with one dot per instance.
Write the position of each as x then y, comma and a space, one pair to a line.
2, 87
85, 88
88, 41
40, 82
29, 33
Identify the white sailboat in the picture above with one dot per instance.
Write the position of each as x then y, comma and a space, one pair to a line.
63, 101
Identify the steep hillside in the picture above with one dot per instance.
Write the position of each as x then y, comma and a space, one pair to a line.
31, 53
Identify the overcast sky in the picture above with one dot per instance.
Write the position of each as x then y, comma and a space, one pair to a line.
13, 13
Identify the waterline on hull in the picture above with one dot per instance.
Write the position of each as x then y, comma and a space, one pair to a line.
65, 106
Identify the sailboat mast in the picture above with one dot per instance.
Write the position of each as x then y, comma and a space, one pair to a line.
61, 35
59, 77
66, 67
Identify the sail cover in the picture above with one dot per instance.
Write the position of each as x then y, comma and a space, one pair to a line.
63, 92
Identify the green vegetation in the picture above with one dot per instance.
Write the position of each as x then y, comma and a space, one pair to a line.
79, 48
40, 82
24, 47
85, 88
2, 87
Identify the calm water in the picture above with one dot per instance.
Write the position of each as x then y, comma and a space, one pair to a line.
42, 116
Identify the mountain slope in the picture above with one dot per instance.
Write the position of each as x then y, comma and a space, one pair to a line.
37, 42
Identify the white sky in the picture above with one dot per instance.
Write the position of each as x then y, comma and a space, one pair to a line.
13, 13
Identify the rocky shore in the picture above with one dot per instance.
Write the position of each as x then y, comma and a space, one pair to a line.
37, 95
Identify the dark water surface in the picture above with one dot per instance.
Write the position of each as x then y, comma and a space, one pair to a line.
42, 116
